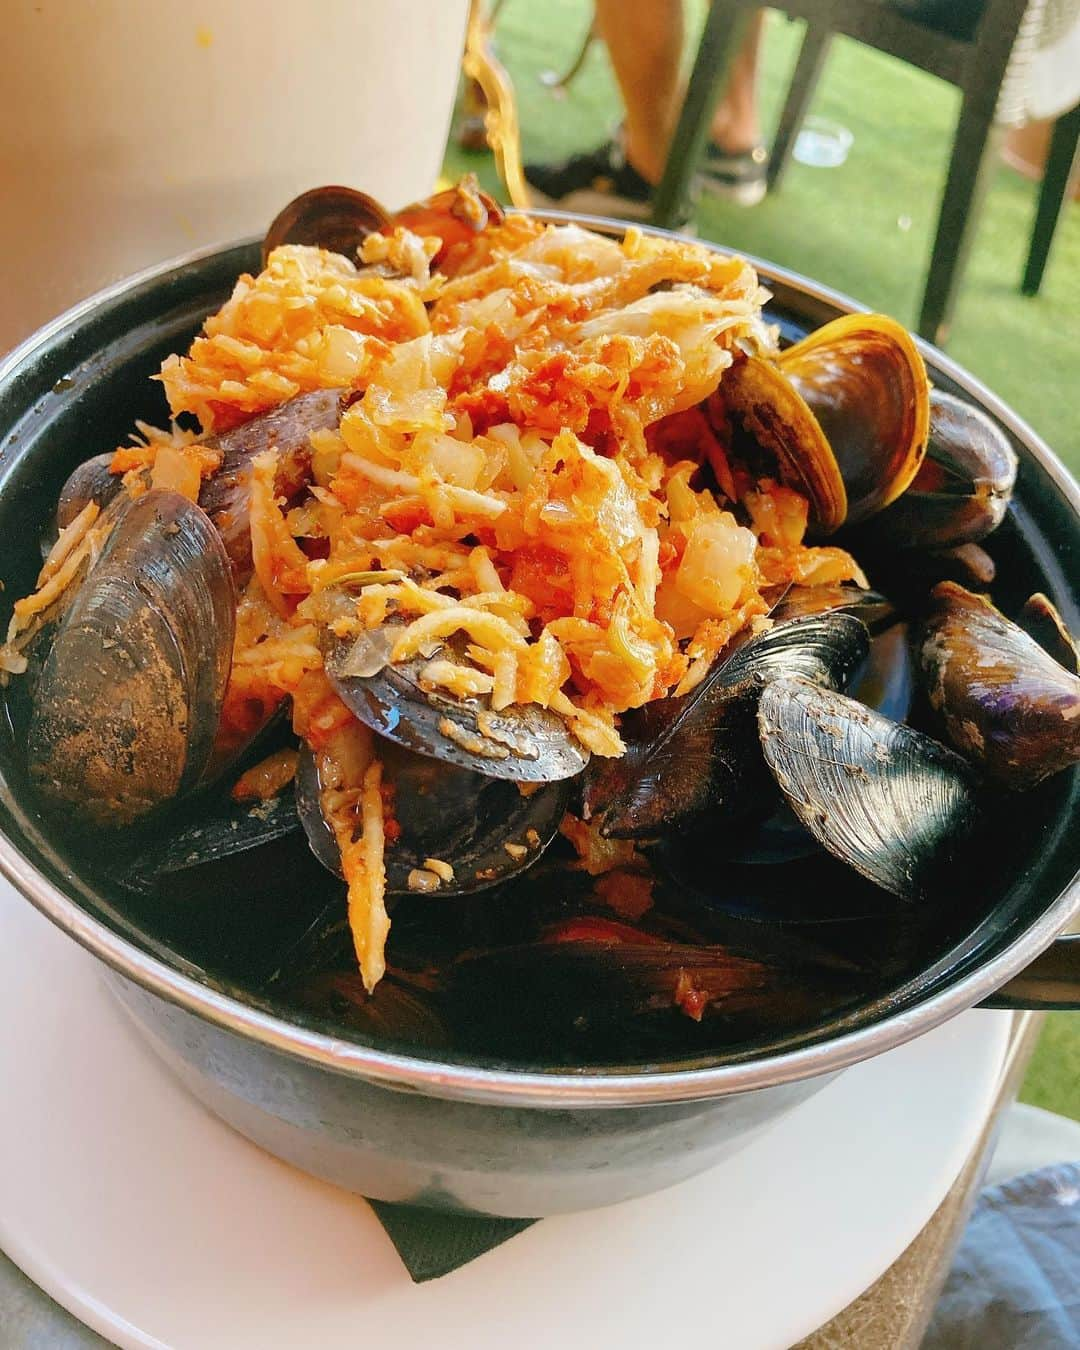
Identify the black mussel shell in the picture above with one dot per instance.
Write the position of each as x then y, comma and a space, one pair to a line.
398, 1010
331, 217
1004, 702
91, 481
697, 755
962, 489
226, 496
485, 828
211, 830
870, 607
1040, 619
603, 970
887, 800
128, 701
885, 682
523, 742
909, 575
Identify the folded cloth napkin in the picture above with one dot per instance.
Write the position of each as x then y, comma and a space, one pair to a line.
433, 1242
1015, 1283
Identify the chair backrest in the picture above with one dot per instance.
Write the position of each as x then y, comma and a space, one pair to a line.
992, 66
916, 42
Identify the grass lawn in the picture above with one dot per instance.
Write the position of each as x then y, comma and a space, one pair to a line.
865, 229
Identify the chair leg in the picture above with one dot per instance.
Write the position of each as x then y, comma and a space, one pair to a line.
1062, 163
725, 29
815, 48
975, 156
560, 83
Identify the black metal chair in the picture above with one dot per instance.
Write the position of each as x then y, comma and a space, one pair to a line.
1059, 177
1002, 39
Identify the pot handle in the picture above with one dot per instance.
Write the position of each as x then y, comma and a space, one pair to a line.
1051, 981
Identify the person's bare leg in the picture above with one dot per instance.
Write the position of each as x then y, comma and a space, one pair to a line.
644, 39
735, 126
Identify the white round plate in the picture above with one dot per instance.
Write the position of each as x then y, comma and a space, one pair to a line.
158, 1226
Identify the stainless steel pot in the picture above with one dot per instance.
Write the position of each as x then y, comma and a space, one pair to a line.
456, 1132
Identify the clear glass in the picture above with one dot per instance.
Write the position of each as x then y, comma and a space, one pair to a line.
822, 144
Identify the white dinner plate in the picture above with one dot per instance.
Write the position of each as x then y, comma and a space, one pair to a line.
158, 1226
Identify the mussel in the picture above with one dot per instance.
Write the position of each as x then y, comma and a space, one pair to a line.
845, 412
396, 1011
523, 742
225, 497
479, 831
690, 758
332, 217
1005, 703
1040, 619
341, 218
962, 488
127, 705
885, 799
91, 481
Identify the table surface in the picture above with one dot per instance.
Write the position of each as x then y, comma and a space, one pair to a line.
891, 1315
894, 1312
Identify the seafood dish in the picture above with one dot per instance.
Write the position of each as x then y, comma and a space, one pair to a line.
511, 644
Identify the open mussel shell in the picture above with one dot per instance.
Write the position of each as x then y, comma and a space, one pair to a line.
1004, 702
865, 382
884, 681
485, 828
332, 217
523, 742
455, 216
697, 756
226, 496
887, 800
128, 701
845, 412
963, 487
766, 404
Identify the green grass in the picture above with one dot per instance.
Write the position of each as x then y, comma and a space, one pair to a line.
1053, 1079
865, 229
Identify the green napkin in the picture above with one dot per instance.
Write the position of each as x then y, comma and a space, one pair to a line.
433, 1242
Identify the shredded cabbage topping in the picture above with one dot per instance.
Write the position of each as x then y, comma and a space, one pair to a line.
531, 461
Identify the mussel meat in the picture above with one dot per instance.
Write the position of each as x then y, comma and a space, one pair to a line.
127, 705
1005, 703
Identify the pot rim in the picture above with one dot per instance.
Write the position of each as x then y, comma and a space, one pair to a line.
534, 1088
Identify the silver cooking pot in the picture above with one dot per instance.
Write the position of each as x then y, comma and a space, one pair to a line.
455, 1131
